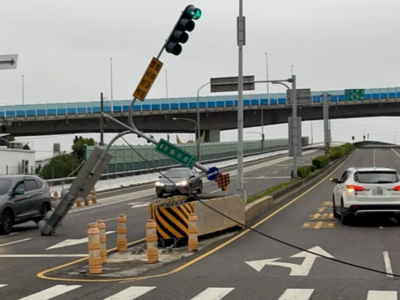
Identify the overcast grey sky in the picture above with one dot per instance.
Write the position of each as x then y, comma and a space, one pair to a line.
64, 46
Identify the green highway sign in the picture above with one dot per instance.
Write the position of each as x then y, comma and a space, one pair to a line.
176, 153
355, 94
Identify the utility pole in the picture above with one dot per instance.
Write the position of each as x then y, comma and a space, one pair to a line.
295, 130
23, 90
101, 120
326, 123
112, 88
241, 34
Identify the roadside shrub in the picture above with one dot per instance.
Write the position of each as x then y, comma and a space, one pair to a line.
304, 171
346, 148
335, 153
320, 162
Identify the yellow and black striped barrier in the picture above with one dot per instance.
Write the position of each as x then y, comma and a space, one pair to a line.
327, 149
171, 217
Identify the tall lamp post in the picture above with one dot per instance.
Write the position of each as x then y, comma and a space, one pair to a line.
269, 101
198, 140
395, 136
198, 112
262, 139
364, 130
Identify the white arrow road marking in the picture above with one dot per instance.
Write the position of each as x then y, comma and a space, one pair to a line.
3, 285
72, 242
52, 292
296, 269
15, 242
138, 204
382, 295
297, 294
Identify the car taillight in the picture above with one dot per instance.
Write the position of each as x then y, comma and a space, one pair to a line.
354, 188
397, 188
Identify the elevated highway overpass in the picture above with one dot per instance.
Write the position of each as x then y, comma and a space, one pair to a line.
217, 113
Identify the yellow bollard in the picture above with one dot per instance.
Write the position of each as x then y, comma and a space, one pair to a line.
121, 234
95, 265
55, 196
103, 239
78, 202
151, 240
193, 240
94, 199
86, 201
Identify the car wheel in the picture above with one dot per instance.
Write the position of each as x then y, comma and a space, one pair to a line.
43, 212
343, 218
335, 213
200, 189
6, 222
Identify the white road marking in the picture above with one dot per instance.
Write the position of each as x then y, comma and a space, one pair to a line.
11, 234
40, 255
213, 294
131, 293
52, 292
395, 152
297, 294
215, 191
286, 168
15, 242
373, 157
302, 161
3, 285
382, 295
108, 220
388, 265
275, 172
72, 242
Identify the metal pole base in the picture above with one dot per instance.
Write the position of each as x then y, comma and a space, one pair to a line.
242, 193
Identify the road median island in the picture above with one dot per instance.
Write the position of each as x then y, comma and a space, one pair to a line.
309, 175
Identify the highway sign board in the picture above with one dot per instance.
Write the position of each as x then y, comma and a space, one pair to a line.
230, 84
8, 61
148, 79
176, 153
354, 94
212, 173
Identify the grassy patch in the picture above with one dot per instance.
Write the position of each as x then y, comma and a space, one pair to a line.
270, 191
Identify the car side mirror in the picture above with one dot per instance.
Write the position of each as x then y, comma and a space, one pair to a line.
18, 192
335, 180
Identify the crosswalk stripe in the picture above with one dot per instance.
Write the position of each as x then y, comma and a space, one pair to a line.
131, 293
52, 292
382, 295
297, 294
213, 294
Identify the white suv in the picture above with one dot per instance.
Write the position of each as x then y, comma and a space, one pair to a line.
363, 191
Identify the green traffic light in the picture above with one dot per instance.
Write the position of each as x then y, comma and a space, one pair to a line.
196, 14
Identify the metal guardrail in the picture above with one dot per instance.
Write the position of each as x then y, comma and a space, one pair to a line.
107, 176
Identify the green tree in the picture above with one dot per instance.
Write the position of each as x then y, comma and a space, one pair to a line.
60, 166
78, 146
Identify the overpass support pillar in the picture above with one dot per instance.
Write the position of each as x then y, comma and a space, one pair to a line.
295, 139
212, 136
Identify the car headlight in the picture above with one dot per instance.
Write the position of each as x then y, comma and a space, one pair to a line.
183, 183
159, 184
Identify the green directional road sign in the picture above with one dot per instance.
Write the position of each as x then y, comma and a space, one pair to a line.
355, 94
176, 153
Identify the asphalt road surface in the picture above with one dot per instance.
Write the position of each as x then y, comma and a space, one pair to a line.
251, 266
24, 253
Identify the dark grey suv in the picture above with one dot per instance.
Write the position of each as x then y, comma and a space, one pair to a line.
23, 198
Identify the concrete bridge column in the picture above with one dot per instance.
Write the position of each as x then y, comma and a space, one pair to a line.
212, 136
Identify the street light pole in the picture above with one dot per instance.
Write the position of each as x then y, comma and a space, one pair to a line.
294, 125
111, 83
395, 136
166, 83
23, 90
241, 34
269, 101
198, 115
196, 128
364, 131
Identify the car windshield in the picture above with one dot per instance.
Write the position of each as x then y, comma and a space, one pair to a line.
376, 177
175, 173
4, 186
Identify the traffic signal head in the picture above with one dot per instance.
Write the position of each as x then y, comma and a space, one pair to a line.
179, 34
